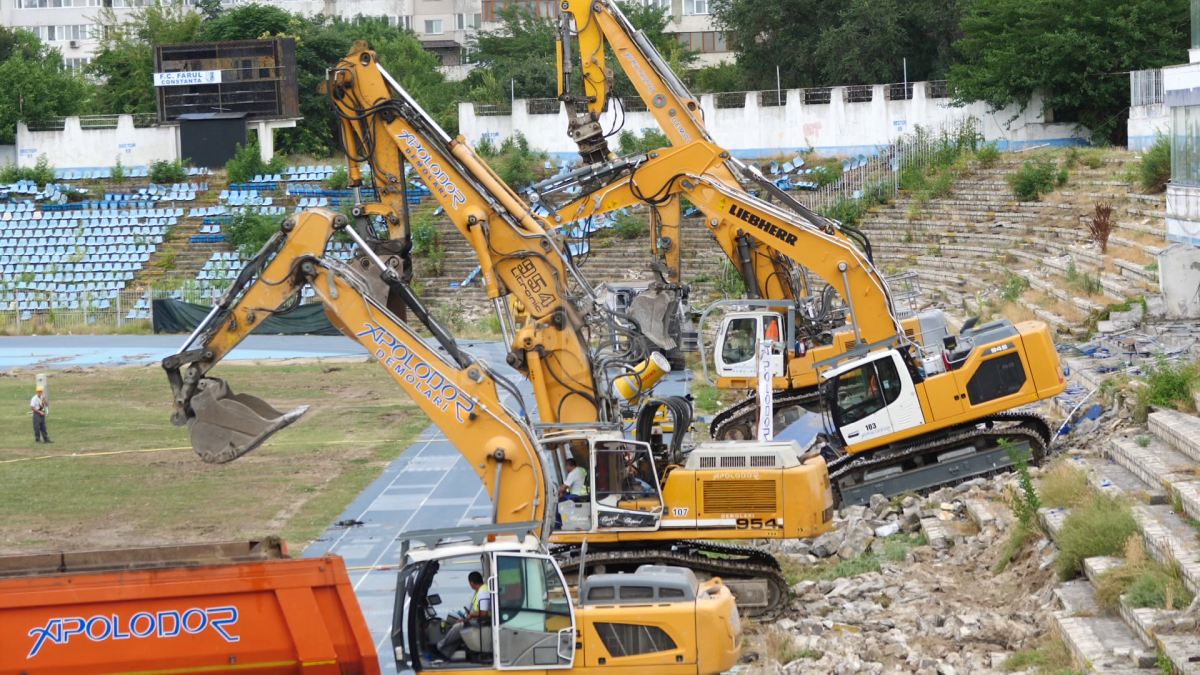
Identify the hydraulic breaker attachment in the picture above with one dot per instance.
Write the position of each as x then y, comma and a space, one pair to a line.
226, 425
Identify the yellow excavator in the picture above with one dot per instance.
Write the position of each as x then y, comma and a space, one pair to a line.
910, 405
774, 282
642, 506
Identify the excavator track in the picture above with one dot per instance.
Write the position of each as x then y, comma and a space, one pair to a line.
933, 461
732, 564
739, 421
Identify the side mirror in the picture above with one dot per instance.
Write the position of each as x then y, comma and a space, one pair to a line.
433, 599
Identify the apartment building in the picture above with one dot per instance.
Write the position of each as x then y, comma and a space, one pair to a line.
444, 26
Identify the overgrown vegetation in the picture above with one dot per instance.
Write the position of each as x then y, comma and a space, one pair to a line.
1050, 656
629, 143
250, 229
1035, 178
41, 172
1024, 503
339, 179
629, 226
1063, 486
1101, 224
1143, 581
168, 171
427, 245
781, 646
513, 161
1085, 283
1168, 384
987, 155
247, 163
1155, 169
118, 171
1013, 286
1099, 526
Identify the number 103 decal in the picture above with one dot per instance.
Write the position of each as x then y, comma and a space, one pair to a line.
758, 524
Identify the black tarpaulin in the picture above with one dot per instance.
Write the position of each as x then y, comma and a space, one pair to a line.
174, 316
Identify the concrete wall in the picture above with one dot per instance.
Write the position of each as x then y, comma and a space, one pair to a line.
97, 148
8, 154
836, 128
1179, 280
1146, 123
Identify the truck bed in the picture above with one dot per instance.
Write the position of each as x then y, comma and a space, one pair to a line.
210, 608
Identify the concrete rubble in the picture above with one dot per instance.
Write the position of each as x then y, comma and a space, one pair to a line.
940, 611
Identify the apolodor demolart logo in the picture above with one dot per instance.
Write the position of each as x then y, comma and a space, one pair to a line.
394, 355
142, 625
435, 176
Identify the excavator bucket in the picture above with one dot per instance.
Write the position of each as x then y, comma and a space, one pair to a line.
653, 311
228, 425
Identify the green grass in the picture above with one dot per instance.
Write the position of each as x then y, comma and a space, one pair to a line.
1143, 581
1063, 486
64, 496
1049, 657
1168, 385
895, 549
1100, 526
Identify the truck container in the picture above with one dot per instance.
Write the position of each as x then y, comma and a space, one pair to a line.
213, 608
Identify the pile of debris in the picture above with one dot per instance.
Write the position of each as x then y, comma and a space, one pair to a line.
939, 611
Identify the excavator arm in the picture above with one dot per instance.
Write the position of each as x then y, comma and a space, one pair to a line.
458, 393
752, 232
381, 124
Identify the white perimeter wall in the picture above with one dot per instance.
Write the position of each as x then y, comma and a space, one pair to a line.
837, 128
1146, 123
74, 148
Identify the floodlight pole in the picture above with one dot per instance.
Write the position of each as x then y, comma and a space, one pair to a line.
778, 86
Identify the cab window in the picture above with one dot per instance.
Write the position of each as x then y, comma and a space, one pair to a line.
739, 340
996, 378
624, 477
867, 390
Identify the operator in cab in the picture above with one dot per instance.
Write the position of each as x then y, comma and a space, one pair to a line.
575, 487
481, 606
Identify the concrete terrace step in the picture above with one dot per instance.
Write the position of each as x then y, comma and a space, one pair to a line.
1170, 540
1103, 645
1181, 431
1158, 465
1113, 478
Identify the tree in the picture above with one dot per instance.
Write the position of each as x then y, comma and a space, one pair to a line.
35, 85
816, 43
1073, 52
125, 61
520, 54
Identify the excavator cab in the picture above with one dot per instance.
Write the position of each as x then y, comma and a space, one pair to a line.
871, 397
530, 624
624, 493
739, 334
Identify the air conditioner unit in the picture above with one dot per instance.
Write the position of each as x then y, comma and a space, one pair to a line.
74, 44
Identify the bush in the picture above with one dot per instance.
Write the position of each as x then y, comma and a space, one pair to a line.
514, 162
249, 230
1064, 486
427, 245
628, 143
163, 171
1155, 169
1101, 225
1168, 385
338, 180
118, 171
1101, 526
987, 155
247, 163
1143, 582
845, 211
1035, 178
41, 172
629, 227
1013, 286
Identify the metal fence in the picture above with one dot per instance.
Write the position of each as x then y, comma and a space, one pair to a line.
140, 121
876, 178
1146, 87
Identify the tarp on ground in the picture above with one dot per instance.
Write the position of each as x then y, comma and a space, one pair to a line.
174, 316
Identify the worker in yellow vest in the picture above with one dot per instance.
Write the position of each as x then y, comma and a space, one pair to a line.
481, 606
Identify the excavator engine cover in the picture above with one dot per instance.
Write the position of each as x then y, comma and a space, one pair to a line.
653, 311
228, 425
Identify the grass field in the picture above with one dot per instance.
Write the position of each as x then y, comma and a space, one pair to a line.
155, 490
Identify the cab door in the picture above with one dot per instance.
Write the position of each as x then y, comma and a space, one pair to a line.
625, 491
875, 397
533, 619
737, 341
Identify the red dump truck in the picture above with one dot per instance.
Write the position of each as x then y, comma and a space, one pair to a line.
212, 608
